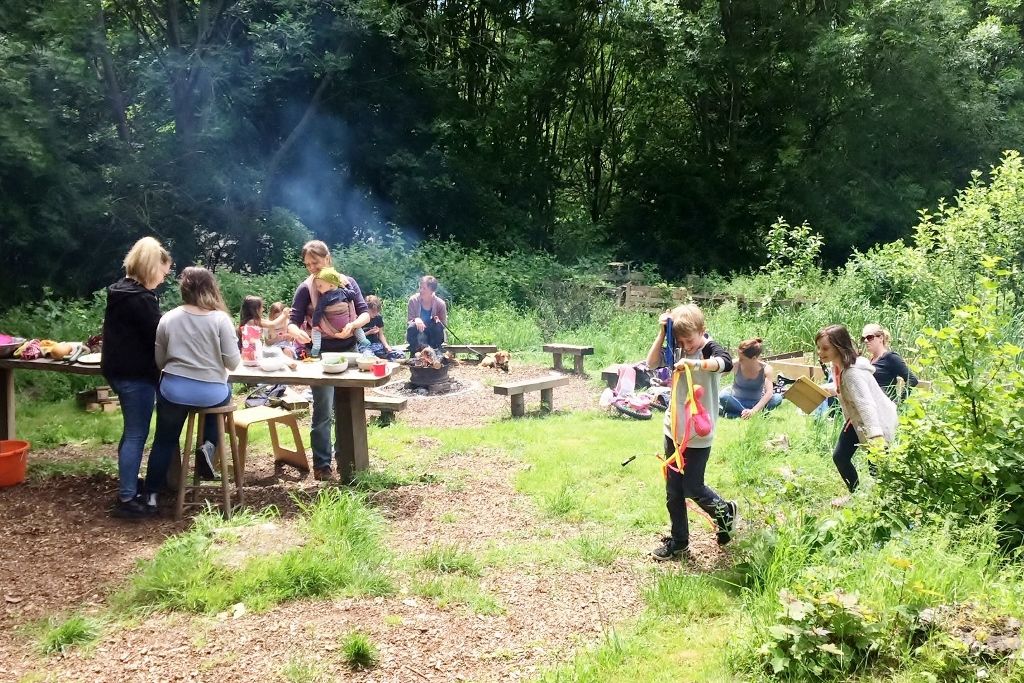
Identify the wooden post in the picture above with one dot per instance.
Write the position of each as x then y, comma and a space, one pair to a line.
578, 364
350, 449
558, 361
7, 404
518, 405
547, 398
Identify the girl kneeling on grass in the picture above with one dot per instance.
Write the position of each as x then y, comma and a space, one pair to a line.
707, 360
870, 417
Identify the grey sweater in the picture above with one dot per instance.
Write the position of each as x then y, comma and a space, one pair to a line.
201, 347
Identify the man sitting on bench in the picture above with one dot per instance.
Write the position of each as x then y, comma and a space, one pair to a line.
428, 316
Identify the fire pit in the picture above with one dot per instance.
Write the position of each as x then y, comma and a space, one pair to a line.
428, 377
428, 372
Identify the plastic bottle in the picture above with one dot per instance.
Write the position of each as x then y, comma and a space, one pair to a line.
317, 337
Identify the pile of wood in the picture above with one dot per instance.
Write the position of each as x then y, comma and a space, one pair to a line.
98, 399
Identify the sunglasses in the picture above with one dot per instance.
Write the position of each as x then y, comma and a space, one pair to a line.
869, 337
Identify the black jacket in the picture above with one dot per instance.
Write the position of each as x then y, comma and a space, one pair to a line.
129, 332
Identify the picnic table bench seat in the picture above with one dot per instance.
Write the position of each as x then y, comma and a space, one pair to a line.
296, 457
517, 390
387, 405
478, 350
577, 352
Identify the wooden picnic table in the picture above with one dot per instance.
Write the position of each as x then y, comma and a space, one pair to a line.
350, 445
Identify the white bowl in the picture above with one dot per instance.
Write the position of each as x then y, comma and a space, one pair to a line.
335, 368
271, 363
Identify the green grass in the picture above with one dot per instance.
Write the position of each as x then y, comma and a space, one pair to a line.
39, 470
341, 554
300, 670
358, 651
76, 631
457, 590
595, 550
450, 559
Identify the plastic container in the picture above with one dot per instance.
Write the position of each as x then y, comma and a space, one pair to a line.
13, 462
380, 368
805, 394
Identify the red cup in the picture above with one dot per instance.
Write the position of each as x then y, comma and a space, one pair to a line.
380, 368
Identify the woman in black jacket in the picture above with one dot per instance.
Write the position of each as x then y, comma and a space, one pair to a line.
889, 366
129, 365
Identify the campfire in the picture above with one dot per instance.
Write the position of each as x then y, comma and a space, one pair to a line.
428, 370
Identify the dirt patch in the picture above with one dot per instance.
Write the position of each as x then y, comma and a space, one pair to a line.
63, 552
476, 403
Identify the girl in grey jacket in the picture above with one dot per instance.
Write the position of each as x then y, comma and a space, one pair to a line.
870, 416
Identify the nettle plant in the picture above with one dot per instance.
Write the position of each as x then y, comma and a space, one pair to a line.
960, 448
821, 635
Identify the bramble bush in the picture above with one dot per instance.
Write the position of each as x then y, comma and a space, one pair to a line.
961, 446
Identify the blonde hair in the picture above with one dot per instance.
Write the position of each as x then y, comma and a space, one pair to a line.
373, 301
276, 309
143, 261
875, 328
686, 320
199, 288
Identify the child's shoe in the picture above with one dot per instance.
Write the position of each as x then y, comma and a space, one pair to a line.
725, 531
670, 550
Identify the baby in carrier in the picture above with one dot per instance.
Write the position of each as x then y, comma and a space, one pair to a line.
332, 309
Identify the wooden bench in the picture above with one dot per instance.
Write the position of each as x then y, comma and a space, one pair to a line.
273, 417
387, 405
517, 390
578, 352
610, 375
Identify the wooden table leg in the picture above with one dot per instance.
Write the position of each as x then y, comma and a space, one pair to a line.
557, 364
350, 446
578, 365
7, 404
547, 399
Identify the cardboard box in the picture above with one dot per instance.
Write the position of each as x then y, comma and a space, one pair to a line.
806, 394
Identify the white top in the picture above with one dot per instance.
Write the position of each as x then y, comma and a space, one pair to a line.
865, 404
200, 346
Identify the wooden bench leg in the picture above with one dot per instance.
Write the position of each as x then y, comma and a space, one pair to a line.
547, 399
242, 434
225, 485
296, 457
578, 365
186, 458
518, 405
386, 418
557, 361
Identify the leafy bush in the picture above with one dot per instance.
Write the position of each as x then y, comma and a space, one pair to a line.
819, 635
961, 447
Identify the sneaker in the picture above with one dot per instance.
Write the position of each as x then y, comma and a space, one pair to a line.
151, 505
725, 531
669, 550
204, 462
130, 509
323, 474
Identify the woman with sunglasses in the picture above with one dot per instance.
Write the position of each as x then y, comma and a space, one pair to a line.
889, 366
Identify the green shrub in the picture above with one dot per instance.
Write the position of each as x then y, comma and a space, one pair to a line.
821, 635
961, 446
450, 559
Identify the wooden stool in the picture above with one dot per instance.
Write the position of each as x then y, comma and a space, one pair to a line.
273, 417
225, 429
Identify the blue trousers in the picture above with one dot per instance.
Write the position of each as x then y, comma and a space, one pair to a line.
136, 397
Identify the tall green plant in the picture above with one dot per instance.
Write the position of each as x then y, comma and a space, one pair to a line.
961, 448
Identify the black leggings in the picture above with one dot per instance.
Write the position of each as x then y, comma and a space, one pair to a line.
842, 456
690, 484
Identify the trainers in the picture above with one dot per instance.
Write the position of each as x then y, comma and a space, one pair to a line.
669, 550
204, 461
130, 509
323, 474
725, 531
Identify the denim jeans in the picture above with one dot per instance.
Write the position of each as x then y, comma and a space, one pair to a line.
170, 419
734, 407
321, 439
136, 397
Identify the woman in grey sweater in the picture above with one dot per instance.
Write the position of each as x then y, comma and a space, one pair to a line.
196, 346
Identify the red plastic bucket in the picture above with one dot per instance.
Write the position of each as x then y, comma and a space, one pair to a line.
13, 461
